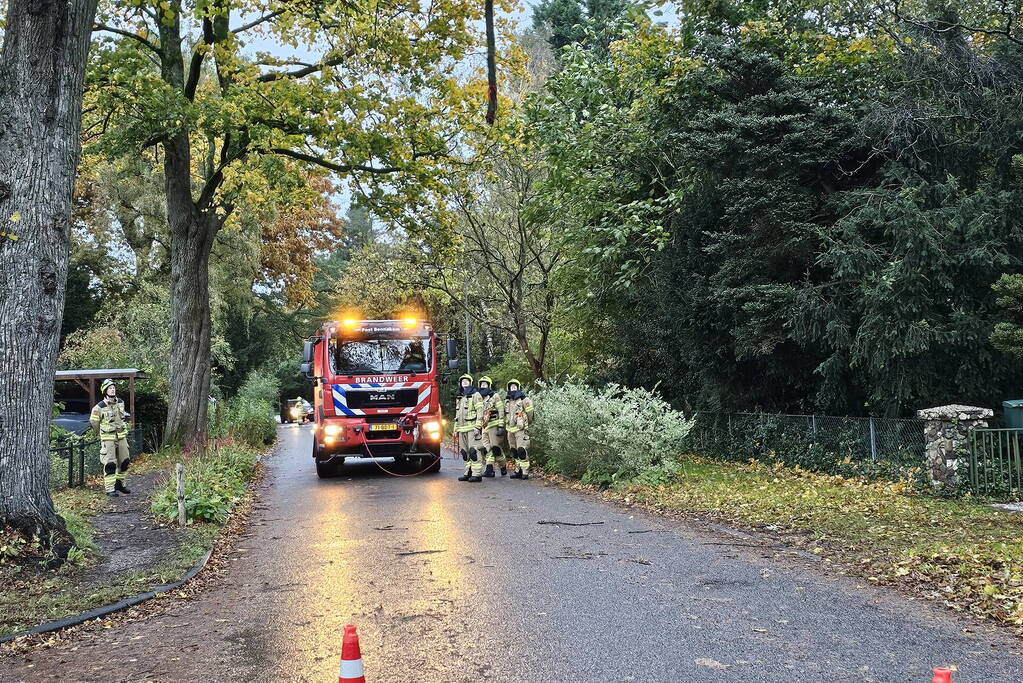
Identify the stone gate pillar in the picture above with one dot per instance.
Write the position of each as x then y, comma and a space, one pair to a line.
946, 433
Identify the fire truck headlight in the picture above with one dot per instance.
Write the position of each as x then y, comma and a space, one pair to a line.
331, 431
432, 429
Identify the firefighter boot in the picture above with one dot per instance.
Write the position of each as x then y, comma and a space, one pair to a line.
475, 467
517, 474
489, 472
502, 462
121, 475
468, 468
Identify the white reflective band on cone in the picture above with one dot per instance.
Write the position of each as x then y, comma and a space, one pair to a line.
351, 668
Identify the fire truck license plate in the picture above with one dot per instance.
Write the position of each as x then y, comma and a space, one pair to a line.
388, 427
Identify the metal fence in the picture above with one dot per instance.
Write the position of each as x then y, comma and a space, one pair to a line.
995, 463
75, 458
882, 446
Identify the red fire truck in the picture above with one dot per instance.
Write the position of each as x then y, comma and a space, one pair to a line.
376, 392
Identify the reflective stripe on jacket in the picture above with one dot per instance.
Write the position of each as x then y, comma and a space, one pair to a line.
465, 414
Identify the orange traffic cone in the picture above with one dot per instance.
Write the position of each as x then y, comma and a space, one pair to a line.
942, 675
351, 658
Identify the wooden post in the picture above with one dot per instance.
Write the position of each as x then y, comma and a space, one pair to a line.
179, 470
92, 393
131, 399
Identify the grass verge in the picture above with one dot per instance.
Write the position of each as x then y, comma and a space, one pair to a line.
960, 552
30, 600
30, 594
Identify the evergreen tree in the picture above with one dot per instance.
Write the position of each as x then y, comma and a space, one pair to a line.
567, 20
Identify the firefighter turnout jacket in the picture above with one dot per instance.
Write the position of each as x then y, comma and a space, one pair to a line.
108, 419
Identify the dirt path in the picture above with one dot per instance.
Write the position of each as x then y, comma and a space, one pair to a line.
128, 536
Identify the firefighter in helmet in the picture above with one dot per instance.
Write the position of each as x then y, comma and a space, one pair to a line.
490, 425
518, 413
469, 446
108, 420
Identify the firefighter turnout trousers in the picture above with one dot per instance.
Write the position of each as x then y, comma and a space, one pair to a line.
114, 455
472, 453
491, 440
518, 449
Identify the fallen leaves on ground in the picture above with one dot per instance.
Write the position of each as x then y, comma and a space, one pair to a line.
959, 552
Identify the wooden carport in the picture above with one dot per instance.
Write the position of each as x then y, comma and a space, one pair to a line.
90, 379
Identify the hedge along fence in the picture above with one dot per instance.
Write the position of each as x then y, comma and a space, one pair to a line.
884, 448
607, 434
74, 458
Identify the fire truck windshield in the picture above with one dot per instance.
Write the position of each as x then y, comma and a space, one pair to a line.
349, 357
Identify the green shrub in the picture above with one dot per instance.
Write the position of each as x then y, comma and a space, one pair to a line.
607, 435
249, 414
215, 480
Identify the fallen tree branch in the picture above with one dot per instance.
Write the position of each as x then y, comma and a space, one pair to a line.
419, 552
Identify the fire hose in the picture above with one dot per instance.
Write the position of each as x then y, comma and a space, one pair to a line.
409, 423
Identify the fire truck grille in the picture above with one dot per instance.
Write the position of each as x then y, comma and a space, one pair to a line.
376, 436
382, 398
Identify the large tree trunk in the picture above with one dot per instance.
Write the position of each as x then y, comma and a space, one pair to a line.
42, 66
192, 235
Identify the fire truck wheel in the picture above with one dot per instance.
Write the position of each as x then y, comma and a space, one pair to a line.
435, 467
327, 470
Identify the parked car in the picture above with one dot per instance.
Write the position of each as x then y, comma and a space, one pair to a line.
76, 423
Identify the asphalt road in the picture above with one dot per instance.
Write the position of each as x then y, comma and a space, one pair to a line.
450, 581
